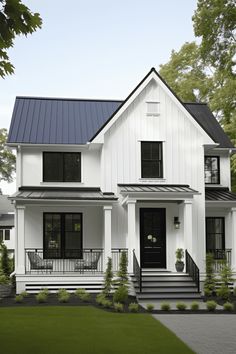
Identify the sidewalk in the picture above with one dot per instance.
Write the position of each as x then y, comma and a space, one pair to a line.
205, 334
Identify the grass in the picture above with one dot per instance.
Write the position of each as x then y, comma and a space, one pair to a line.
86, 330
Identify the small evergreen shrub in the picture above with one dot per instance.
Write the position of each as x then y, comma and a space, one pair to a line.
63, 295
86, 297
5, 262
207, 292
80, 291
106, 303
121, 294
194, 306
24, 294
133, 307
165, 306
211, 305
41, 297
118, 307
61, 292
226, 275
223, 292
108, 278
45, 291
150, 307
19, 299
228, 307
181, 306
100, 298
210, 281
4, 279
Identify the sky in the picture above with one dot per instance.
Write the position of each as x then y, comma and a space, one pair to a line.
93, 49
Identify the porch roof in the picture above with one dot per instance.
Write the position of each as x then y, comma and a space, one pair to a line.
219, 194
62, 193
157, 188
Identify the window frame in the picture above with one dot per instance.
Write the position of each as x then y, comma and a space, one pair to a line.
218, 169
4, 229
152, 113
63, 231
63, 153
222, 233
160, 143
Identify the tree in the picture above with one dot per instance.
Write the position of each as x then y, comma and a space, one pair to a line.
7, 159
215, 22
108, 278
15, 19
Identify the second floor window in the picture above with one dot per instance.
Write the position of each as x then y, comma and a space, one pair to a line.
62, 167
152, 160
212, 170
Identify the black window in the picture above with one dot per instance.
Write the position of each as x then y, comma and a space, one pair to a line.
212, 170
215, 235
1, 235
7, 235
152, 160
62, 167
62, 235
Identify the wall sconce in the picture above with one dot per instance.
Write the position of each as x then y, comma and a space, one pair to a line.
176, 222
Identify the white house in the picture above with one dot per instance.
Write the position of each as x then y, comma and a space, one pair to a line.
7, 229
95, 177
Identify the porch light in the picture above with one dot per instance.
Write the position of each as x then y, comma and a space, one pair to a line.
176, 222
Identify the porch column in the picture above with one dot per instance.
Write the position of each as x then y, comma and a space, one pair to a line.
233, 235
188, 226
131, 233
20, 235
107, 233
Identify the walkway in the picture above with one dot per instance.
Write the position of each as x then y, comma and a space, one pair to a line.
205, 334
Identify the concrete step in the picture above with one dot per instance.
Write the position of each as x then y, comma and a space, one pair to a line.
150, 290
166, 296
159, 284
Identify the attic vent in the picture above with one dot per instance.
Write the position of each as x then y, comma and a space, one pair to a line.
153, 108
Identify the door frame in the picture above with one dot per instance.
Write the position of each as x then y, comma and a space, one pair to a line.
141, 238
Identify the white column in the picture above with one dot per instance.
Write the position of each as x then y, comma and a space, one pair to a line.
188, 226
107, 233
233, 238
20, 235
131, 233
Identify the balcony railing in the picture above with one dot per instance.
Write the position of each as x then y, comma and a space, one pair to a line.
87, 260
220, 257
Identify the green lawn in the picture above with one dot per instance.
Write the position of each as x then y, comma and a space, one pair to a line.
83, 330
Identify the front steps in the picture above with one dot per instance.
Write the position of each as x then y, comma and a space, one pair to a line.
162, 285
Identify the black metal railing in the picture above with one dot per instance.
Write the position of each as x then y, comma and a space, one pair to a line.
37, 261
221, 256
192, 269
137, 270
116, 256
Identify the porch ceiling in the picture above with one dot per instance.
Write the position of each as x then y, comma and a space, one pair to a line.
65, 193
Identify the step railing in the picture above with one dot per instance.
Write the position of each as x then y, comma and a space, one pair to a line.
221, 256
192, 269
137, 270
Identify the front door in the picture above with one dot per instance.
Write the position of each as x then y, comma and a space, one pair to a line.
153, 237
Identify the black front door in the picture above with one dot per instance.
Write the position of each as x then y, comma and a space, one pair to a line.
153, 237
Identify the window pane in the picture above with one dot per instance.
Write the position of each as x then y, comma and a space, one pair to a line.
1, 235
7, 235
72, 167
73, 235
52, 167
52, 236
212, 170
151, 153
215, 233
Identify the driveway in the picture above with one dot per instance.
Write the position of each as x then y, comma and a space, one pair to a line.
205, 334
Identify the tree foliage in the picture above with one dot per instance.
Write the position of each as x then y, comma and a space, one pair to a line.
15, 19
7, 159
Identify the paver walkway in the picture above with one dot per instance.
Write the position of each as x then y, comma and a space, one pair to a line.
205, 334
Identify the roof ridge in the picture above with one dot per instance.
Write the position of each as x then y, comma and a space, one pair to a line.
68, 99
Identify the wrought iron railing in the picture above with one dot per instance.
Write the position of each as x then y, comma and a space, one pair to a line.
116, 256
192, 269
221, 256
137, 270
37, 261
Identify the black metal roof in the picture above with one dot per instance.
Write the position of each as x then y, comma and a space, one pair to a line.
157, 188
219, 194
38, 120
66, 193
204, 116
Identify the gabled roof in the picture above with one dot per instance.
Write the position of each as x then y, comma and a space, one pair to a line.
38, 120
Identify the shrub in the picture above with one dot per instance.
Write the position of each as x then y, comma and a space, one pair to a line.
108, 278
165, 306
223, 292
106, 303
41, 297
228, 307
211, 305
150, 307
123, 271
19, 299
194, 306
4, 279
133, 307
61, 292
226, 276
79, 292
207, 292
121, 294
181, 306
63, 295
100, 298
85, 297
210, 281
24, 294
45, 291
118, 307
5, 262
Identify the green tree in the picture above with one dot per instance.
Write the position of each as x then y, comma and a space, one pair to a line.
7, 159
108, 278
15, 19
